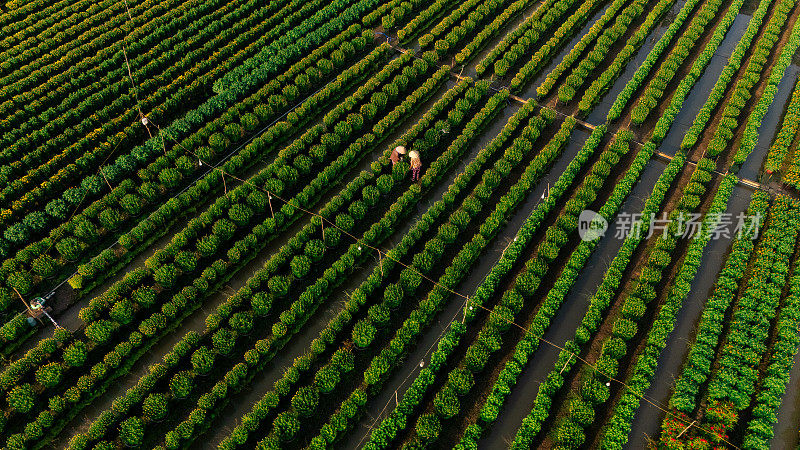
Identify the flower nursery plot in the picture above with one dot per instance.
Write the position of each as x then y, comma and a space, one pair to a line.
399, 224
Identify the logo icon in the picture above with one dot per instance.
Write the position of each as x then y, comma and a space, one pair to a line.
591, 225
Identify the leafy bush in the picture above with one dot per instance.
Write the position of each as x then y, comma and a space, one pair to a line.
242, 322
446, 403
286, 426
99, 331
223, 341
305, 400
21, 398
131, 432
260, 303
49, 375
301, 265
428, 427
363, 333
75, 354
314, 249
278, 285
202, 360
154, 406
181, 384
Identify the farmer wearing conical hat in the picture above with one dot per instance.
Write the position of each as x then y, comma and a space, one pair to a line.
397, 154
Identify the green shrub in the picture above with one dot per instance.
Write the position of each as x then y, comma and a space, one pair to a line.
393, 295
181, 384
131, 432
460, 380
240, 214
202, 360
21, 398
286, 426
446, 403
154, 407
278, 285
99, 331
385, 184
261, 303
314, 249
363, 333
301, 265
44, 265
242, 322
75, 354
428, 427
49, 375
223, 341
305, 400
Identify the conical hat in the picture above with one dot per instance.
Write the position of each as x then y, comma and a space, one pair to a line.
413, 154
400, 149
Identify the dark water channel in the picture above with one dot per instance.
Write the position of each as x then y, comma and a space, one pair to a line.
699, 93
568, 317
398, 382
647, 420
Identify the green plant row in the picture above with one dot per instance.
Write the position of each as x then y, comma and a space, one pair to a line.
549, 49
293, 318
75, 239
28, 58
37, 222
750, 137
221, 221
384, 433
606, 26
375, 281
89, 157
601, 300
40, 80
234, 319
745, 87
523, 291
786, 135
20, 48
532, 424
393, 13
516, 43
697, 367
647, 65
694, 132
657, 87
603, 83
594, 390
381, 366
188, 293
315, 30
529, 343
576, 79
19, 22
616, 433
370, 331
491, 30
760, 430
429, 422
397, 420
75, 130
732, 384
599, 303
459, 24
685, 86
423, 19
